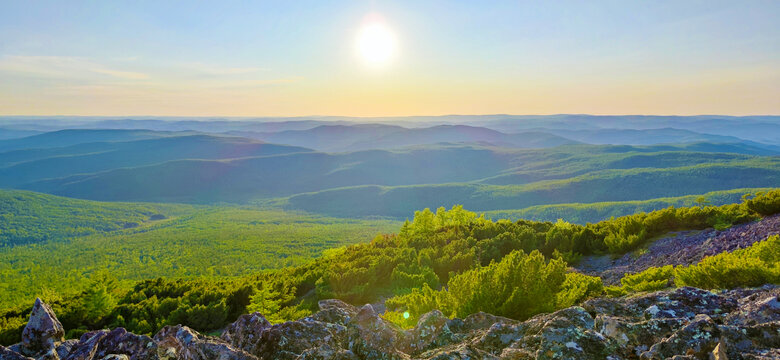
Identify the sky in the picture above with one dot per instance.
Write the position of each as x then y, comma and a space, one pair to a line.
299, 58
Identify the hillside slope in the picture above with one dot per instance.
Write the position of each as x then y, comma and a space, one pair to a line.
597, 186
733, 324
28, 217
466, 167
24, 166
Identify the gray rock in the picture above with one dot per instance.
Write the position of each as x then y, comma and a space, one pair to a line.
245, 332
182, 343
43, 331
698, 338
8, 354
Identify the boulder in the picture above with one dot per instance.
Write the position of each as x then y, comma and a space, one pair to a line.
8, 354
499, 337
637, 337
683, 323
334, 311
432, 330
293, 338
478, 321
756, 308
245, 332
65, 348
121, 342
371, 337
327, 353
463, 351
43, 331
182, 343
698, 338
87, 346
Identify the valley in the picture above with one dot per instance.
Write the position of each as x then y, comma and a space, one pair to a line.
198, 222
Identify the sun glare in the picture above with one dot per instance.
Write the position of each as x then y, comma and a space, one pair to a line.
376, 44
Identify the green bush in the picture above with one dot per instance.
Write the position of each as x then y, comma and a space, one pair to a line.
519, 286
754, 266
577, 288
652, 279
765, 203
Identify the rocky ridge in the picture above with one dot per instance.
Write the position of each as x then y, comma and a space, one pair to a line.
683, 323
682, 248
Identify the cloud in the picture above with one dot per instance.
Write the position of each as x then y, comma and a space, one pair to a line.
122, 74
206, 69
260, 82
61, 67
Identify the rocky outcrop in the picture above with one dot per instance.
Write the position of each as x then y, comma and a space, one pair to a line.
682, 248
684, 323
42, 333
181, 342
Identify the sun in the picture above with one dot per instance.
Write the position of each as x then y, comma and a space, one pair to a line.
376, 44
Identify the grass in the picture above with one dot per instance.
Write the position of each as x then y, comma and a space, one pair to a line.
213, 241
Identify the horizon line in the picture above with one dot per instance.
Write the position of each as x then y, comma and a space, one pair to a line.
130, 117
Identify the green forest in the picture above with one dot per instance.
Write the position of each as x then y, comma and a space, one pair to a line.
453, 260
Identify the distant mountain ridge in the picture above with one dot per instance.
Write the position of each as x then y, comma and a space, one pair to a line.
379, 136
303, 163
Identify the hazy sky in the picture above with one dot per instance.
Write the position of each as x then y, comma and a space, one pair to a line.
286, 58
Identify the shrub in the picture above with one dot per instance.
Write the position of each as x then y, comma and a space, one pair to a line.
578, 287
754, 266
652, 279
519, 286
764, 203
417, 303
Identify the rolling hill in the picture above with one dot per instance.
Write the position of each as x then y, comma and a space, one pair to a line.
246, 178
599, 186
36, 164
75, 136
27, 217
379, 136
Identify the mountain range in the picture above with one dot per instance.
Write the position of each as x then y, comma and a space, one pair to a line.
387, 167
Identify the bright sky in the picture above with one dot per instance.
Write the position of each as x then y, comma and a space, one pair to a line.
290, 58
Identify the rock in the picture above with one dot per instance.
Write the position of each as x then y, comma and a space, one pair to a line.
87, 346
66, 347
182, 343
499, 337
327, 353
245, 332
371, 337
8, 354
334, 311
698, 338
115, 357
719, 353
683, 323
685, 248
458, 351
432, 330
756, 308
43, 331
293, 338
565, 334
121, 342
637, 337
478, 321
770, 354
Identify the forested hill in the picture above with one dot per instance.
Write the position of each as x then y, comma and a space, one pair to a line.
209, 169
29, 217
451, 260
